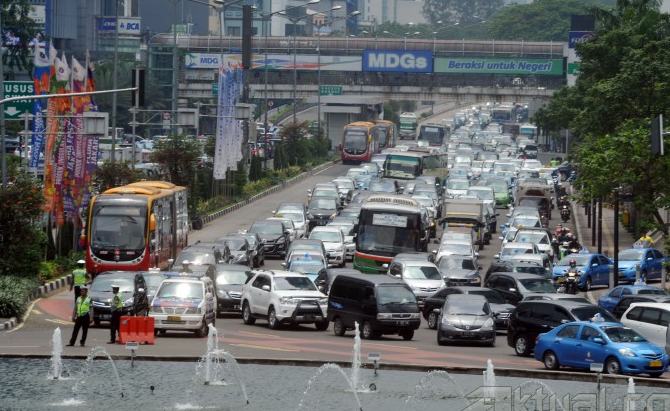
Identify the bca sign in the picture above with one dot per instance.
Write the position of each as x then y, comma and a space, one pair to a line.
406, 61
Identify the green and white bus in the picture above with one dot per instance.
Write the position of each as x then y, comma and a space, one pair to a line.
415, 162
388, 225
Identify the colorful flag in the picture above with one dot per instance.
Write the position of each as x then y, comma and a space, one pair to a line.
91, 143
41, 74
228, 149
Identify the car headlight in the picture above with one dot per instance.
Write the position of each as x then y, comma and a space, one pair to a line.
384, 316
288, 301
476, 279
222, 293
416, 289
445, 320
281, 239
627, 352
488, 323
414, 316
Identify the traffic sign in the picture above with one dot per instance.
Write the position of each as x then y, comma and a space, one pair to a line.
166, 119
215, 89
330, 90
14, 109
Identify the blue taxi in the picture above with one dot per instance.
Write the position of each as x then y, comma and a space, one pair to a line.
594, 269
649, 261
620, 349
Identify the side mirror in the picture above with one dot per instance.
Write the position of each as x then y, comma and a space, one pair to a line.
512, 290
265, 288
599, 340
385, 266
397, 275
283, 264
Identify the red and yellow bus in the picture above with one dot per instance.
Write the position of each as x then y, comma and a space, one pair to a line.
360, 140
136, 227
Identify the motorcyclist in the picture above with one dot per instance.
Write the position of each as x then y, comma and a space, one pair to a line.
573, 244
571, 286
563, 236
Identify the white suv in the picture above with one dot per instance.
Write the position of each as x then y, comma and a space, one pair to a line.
283, 297
184, 302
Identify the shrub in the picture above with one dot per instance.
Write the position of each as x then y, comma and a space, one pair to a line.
14, 295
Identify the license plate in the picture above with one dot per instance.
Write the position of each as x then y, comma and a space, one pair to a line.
655, 363
172, 318
309, 317
468, 333
402, 322
105, 317
236, 307
560, 280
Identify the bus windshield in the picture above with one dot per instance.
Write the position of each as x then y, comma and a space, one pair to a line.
387, 233
118, 228
401, 167
433, 135
355, 140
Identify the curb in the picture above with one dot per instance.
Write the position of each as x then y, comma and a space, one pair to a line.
503, 372
271, 190
39, 292
9, 324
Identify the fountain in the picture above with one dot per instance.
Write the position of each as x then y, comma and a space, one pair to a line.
56, 351
631, 398
543, 386
356, 360
86, 373
489, 380
422, 389
326, 367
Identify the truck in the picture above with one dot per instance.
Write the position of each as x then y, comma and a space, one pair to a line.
467, 213
407, 127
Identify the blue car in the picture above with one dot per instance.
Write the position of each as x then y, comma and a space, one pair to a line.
609, 300
650, 261
620, 349
594, 269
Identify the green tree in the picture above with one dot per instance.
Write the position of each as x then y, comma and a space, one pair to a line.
294, 148
116, 174
18, 57
460, 11
178, 156
21, 240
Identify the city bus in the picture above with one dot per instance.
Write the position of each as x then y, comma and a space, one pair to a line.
433, 135
408, 124
388, 225
136, 227
503, 114
360, 140
390, 131
417, 161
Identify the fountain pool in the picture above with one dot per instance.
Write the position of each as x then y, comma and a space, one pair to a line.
27, 385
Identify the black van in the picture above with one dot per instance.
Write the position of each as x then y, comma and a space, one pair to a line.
380, 305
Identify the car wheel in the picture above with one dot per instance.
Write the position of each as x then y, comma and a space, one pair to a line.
407, 335
247, 318
96, 322
256, 263
432, 321
612, 366
522, 346
273, 323
492, 343
655, 374
366, 332
550, 361
338, 327
440, 341
587, 284
202, 331
321, 325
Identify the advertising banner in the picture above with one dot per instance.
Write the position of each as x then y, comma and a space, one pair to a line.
275, 62
406, 61
575, 37
127, 25
552, 67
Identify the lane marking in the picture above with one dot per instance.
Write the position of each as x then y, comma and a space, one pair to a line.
58, 321
260, 334
392, 346
36, 311
264, 347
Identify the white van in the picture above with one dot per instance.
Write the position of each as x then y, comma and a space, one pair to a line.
649, 319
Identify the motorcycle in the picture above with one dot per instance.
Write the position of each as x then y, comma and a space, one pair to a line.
573, 177
571, 280
565, 214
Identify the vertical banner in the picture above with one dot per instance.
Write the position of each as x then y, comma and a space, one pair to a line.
63, 137
76, 162
228, 150
41, 76
52, 124
91, 143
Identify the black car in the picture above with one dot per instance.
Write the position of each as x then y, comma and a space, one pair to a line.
459, 270
626, 300
384, 186
194, 254
133, 288
256, 246
501, 310
321, 210
229, 281
240, 251
466, 318
514, 286
531, 318
276, 237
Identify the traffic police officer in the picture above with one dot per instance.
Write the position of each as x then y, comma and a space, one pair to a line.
79, 278
115, 306
82, 315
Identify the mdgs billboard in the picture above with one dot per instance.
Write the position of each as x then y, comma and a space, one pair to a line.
406, 61
275, 62
552, 67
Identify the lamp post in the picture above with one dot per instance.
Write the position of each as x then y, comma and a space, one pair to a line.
114, 78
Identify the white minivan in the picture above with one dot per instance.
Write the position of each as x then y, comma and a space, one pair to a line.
649, 319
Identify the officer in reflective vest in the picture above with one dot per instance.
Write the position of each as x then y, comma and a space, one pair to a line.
115, 306
79, 278
82, 315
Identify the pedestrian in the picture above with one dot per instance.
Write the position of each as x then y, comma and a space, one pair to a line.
80, 278
82, 315
115, 306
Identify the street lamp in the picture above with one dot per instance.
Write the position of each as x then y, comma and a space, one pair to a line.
410, 34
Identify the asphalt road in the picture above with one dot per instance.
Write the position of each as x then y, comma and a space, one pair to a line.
258, 341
